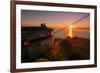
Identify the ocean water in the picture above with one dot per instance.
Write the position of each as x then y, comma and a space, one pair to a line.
82, 33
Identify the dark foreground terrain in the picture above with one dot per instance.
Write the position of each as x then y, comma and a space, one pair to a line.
62, 49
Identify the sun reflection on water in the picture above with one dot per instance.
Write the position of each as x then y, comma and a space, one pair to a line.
70, 33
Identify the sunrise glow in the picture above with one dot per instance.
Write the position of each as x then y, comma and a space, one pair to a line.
57, 21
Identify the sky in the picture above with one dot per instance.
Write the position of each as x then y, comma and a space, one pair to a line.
57, 20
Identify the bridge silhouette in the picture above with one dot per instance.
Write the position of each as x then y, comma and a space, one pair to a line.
77, 21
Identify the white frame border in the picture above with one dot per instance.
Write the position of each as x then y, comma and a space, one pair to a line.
20, 65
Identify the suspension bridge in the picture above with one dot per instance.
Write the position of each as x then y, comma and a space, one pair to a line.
75, 22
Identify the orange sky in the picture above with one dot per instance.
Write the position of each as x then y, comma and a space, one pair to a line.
55, 20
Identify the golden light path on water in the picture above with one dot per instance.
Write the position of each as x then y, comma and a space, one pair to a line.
70, 33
